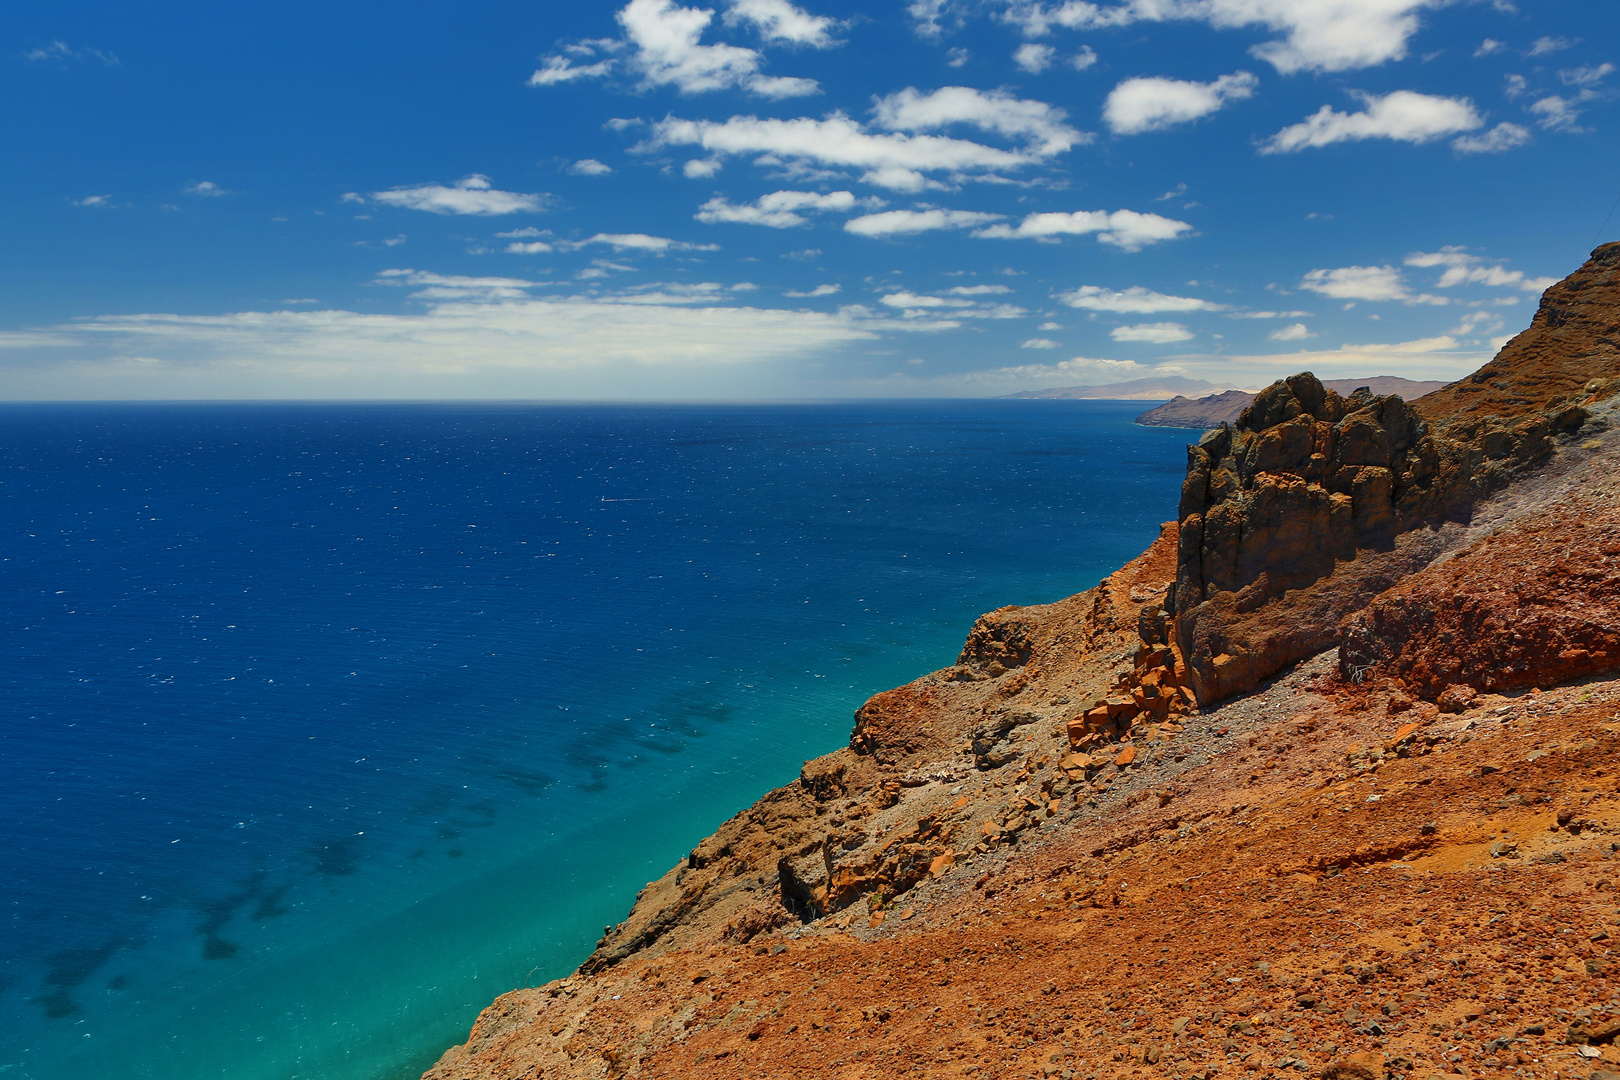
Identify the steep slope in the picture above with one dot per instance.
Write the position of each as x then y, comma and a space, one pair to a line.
1010, 871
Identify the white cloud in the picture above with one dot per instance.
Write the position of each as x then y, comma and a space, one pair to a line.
1050, 326
701, 168
93, 200
778, 210
472, 195
1488, 47
915, 305
907, 222
1357, 283
1500, 138
1159, 333
1461, 268
1125, 229
1403, 115
662, 47
1039, 343
647, 345
1269, 315
1083, 59
1138, 105
1555, 113
1544, 46
589, 167
638, 242
896, 161
1293, 332
1034, 57
1039, 125
1585, 76
527, 247
819, 290
907, 299
978, 290
778, 20
1320, 35
1079, 371
1135, 300
206, 189
59, 50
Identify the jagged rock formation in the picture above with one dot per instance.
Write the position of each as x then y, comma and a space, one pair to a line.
1064, 808
1312, 503
1532, 605
1216, 409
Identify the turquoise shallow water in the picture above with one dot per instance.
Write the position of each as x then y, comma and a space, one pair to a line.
324, 725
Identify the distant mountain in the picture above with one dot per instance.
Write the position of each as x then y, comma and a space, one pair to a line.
1210, 410
1135, 390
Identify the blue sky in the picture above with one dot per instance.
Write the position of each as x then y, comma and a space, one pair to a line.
760, 199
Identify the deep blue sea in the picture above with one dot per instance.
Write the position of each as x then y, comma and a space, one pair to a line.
322, 725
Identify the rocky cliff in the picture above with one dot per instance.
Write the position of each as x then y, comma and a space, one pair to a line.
1012, 868
1216, 409
1312, 503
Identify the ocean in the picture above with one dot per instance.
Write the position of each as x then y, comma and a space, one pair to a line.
322, 725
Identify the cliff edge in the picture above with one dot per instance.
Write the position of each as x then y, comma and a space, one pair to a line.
1327, 686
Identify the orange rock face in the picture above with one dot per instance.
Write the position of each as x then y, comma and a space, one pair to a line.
1535, 605
1123, 853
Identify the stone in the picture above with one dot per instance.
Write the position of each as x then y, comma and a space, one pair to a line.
1126, 756
1456, 698
1366, 1065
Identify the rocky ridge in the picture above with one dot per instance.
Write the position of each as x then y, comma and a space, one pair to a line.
1022, 825
1212, 410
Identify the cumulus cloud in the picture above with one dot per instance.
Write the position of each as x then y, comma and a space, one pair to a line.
1463, 268
914, 305
472, 195
1138, 105
819, 290
638, 242
901, 154
978, 290
1159, 333
205, 189
1039, 343
1339, 36
897, 161
1293, 332
1403, 115
589, 167
1357, 283
778, 20
907, 222
93, 200
662, 46
1544, 46
778, 210
1124, 229
1500, 138
1034, 57
1039, 125
1135, 300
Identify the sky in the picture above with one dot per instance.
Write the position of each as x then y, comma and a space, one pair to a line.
758, 199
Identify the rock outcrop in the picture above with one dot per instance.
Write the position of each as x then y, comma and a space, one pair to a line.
1113, 871
1533, 605
1313, 503
1216, 409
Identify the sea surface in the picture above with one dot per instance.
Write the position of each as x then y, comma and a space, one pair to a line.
322, 725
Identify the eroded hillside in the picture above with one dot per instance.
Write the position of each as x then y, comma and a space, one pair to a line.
1167, 824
